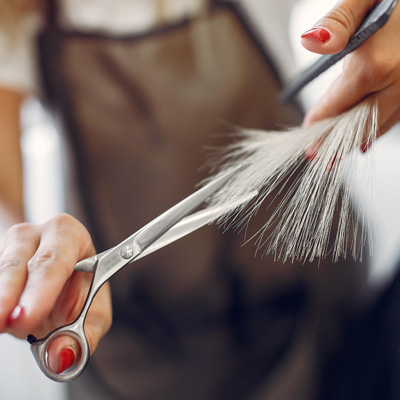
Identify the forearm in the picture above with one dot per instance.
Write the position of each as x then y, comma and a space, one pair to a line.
9, 216
11, 180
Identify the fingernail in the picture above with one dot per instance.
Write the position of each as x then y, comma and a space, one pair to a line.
310, 153
334, 163
15, 314
67, 358
320, 34
365, 147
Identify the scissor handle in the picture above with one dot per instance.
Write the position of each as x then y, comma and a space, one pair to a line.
40, 348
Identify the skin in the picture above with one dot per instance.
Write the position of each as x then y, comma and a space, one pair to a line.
37, 262
372, 70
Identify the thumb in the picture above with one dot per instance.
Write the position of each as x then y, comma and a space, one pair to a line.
64, 351
332, 32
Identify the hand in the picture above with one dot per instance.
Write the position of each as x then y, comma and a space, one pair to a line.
371, 70
39, 290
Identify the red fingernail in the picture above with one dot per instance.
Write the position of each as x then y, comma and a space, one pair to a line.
320, 34
365, 147
67, 358
310, 154
15, 314
334, 163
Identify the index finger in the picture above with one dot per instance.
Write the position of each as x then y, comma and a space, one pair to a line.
20, 244
364, 73
63, 242
343, 94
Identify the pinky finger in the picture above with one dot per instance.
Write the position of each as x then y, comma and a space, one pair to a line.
389, 107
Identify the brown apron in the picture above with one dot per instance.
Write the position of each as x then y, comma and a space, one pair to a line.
202, 318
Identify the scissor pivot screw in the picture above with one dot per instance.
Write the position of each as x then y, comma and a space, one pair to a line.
126, 252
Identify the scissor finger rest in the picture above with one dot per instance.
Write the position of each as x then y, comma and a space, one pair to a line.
40, 350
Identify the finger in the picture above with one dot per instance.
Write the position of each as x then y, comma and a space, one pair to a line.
340, 96
64, 241
98, 319
363, 74
390, 122
331, 33
388, 102
65, 351
345, 93
20, 244
388, 105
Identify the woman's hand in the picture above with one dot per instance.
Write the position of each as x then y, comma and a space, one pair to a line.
39, 290
371, 70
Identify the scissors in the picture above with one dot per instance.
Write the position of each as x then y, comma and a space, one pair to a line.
375, 20
166, 228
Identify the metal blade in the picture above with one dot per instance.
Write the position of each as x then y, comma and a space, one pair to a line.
153, 230
129, 249
183, 228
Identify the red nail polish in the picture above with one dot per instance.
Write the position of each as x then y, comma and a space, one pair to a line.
15, 314
67, 358
310, 154
320, 34
333, 163
365, 147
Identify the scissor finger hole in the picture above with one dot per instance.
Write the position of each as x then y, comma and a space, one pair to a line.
62, 354
59, 366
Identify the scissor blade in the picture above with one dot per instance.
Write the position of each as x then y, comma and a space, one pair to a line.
165, 221
183, 228
141, 239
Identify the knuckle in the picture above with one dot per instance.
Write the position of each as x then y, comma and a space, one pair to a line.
378, 73
48, 262
40, 258
65, 226
62, 220
343, 16
8, 264
373, 72
20, 230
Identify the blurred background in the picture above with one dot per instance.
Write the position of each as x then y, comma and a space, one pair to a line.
20, 377
44, 162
